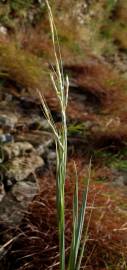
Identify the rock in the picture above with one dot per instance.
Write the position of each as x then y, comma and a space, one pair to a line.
44, 124
5, 138
14, 203
25, 137
35, 122
52, 156
8, 119
20, 182
40, 150
119, 181
20, 168
43, 148
29, 103
24, 191
36, 138
2, 192
120, 177
3, 30
123, 173
8, 98
8, 184
12, 210
15, 149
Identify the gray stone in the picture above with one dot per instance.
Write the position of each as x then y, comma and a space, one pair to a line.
45, 124
35, 122
40, 150
2, 192
52, 156
16, 149
3, 30
120, 177
118, 181
43, 148
11, 210
123, 173
21, 167
24, 191
36, 138
14, 203
8, 97
5, 138
8, 119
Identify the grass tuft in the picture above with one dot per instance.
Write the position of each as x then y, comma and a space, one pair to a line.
21, 68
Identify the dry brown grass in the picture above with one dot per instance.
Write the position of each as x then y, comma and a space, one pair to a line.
38, 247
98, 79
22, 67
104, 88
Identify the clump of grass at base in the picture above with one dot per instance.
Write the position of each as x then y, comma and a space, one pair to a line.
61, 87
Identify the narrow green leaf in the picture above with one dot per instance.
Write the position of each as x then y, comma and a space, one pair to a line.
75, 222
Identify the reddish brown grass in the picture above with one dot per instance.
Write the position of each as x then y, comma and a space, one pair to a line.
106, 245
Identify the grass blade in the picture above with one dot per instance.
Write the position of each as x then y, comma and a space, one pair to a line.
78, 222
75, 223
86, 233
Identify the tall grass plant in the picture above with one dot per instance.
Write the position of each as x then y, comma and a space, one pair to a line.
61, 86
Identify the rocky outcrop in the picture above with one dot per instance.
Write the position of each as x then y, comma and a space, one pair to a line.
25, 139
